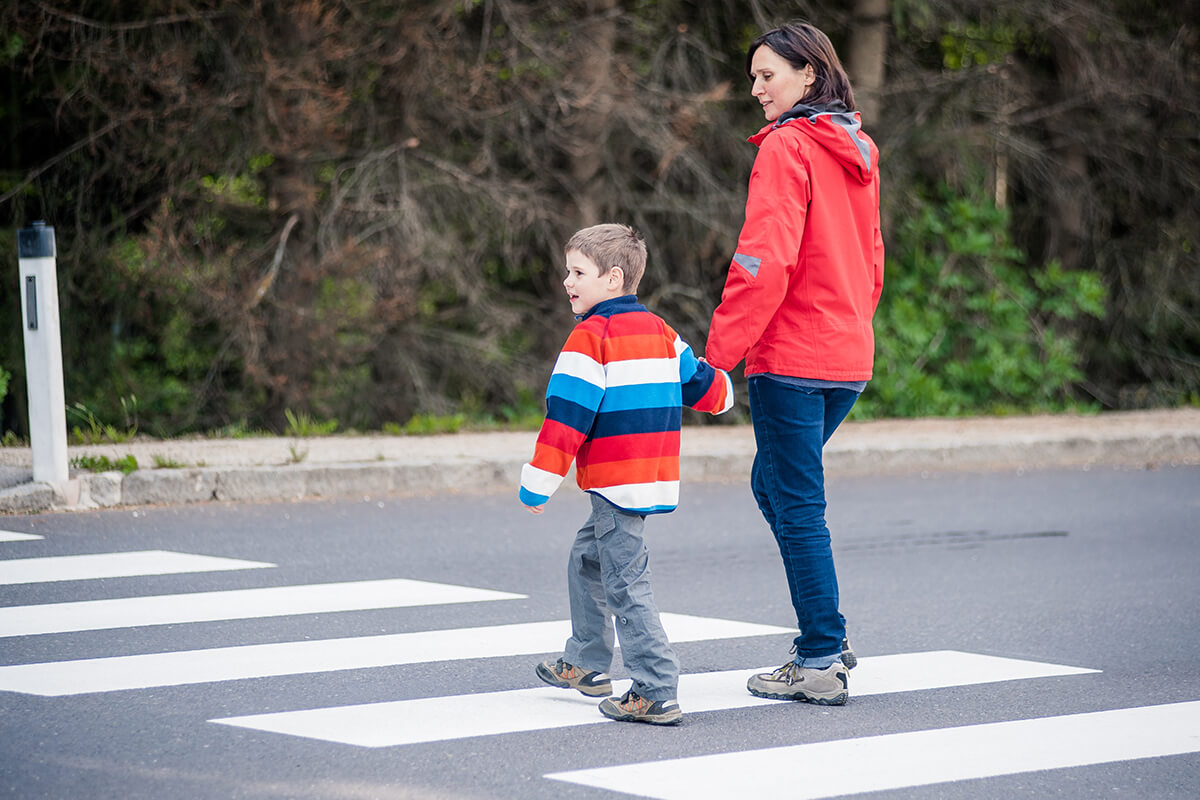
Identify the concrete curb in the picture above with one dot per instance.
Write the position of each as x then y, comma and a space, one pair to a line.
257, 484
343, 467
31, 498
1072, 452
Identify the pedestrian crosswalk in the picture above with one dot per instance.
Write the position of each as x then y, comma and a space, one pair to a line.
462, 716
898, 759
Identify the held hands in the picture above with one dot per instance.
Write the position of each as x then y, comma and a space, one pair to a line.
535, 509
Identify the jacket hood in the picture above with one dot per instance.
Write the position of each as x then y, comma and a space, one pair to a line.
835, 128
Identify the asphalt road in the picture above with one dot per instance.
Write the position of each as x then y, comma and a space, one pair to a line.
1093, 573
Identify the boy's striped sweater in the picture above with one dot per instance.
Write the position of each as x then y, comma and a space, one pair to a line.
613, 405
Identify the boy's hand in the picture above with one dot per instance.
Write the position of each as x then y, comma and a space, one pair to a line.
535, 509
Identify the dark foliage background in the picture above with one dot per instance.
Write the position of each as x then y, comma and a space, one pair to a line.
354, 209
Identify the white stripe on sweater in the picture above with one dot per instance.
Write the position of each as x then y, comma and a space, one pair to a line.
643, 370
539, 481
660, 494
577, 365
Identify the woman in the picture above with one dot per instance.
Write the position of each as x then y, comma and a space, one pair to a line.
797, 306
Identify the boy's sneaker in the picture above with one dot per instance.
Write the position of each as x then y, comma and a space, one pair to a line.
568, 676
848, 657
634, 708
827, 687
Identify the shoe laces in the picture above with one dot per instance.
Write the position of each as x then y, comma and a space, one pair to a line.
634, 701
789, 673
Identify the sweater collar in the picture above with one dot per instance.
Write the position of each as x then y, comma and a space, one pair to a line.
617, 305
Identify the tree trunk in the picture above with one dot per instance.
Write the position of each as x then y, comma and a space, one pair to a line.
1068, 193
866, 56
591, 108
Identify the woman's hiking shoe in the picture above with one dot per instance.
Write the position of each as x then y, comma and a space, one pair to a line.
827, 687
568, 676
848, 657
634, 708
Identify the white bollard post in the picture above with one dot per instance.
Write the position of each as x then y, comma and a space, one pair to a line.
43, 354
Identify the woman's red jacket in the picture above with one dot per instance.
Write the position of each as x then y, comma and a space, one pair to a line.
806, 278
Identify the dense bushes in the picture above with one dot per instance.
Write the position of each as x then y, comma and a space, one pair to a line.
354, 209
965, 326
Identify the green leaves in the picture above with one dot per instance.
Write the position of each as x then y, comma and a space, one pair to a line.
965, 326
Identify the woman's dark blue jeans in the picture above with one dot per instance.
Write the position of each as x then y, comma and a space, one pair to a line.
791, 426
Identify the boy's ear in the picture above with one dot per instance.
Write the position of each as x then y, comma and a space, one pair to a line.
616, 278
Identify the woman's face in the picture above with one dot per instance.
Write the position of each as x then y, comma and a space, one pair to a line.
777, 84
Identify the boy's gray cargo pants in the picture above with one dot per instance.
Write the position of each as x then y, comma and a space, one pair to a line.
609, 576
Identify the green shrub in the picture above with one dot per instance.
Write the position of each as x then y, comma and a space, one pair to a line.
966, 327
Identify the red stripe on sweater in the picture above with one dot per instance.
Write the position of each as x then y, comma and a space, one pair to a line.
636, 346
714, 398
634, 470
556, 447
633, 445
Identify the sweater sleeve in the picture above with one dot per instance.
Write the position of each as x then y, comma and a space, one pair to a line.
573, 397
705, 388
766, 255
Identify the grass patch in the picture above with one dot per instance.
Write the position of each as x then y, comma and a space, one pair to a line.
90, 430
526, 416
304, 425
125, 464
427, 425
237, 430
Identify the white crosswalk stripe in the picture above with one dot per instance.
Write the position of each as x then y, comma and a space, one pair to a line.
273, 601
14, 536
455, 717
919, 758
178, 668
115, 565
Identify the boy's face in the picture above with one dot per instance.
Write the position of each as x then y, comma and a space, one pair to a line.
586, 285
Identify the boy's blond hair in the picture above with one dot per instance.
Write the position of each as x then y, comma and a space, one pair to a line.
612, 245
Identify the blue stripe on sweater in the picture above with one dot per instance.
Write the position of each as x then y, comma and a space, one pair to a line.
532, 499
701, 381
642, 420
574, 390
570, 414
645, 395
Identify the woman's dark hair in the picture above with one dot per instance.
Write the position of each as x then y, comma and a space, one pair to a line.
800, 44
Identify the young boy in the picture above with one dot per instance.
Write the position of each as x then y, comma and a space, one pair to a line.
613, 405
